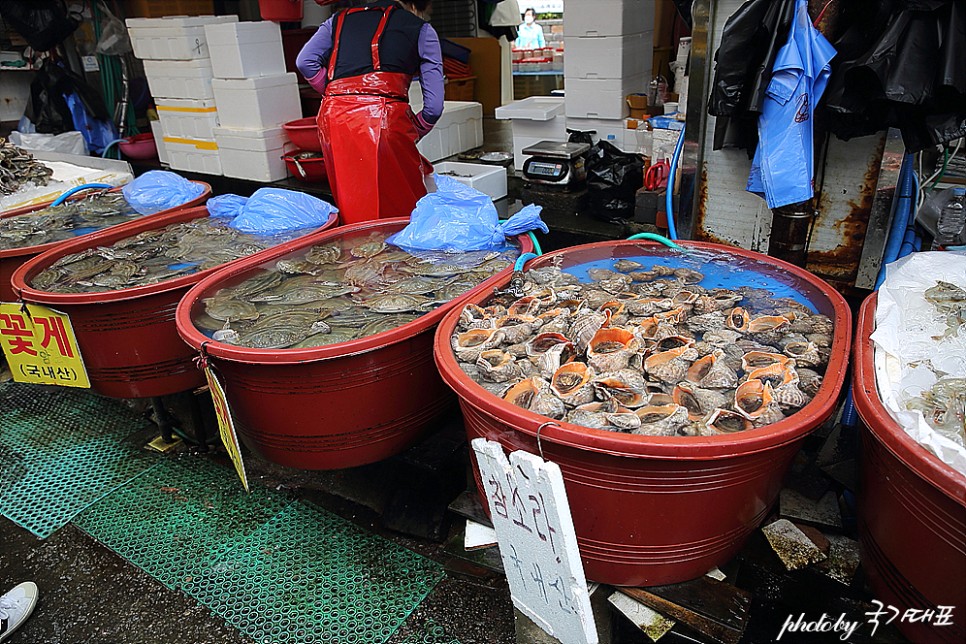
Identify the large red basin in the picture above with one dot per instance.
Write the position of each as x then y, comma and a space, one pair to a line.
335, 406
659, 510
12, 258
912, 509
127, 337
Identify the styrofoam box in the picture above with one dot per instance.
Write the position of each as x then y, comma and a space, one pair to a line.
534, 119
609, 56
459, 129
257, 103
602, 98
611, 130
488, 179
158, 133
193, 155
608, 17
252, 154
179, 78
173, 38
245, 49
187, 118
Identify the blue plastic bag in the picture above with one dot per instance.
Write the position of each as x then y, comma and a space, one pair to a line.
229, 206
98, 134
272, 210
459, 218
159, 190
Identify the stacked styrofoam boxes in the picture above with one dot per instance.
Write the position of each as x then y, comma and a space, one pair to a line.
534, 119
609, 45
255, 97
460, 128
178, 68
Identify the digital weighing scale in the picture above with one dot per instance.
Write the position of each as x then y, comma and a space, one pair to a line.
555, 163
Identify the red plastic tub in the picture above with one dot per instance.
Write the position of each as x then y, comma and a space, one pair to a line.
280, 10
659, 510
12, 258
334, 406
304, 134
912, 509
139, 146
128, 337
311, 170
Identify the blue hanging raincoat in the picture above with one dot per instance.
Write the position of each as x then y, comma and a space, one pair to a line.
783, 168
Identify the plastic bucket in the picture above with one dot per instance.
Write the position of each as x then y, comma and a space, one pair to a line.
659, 510
310, 170
280, 10
304, 134
12, 258
334, 406
912, 509
128, 337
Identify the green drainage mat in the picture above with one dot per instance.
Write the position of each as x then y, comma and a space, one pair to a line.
178, 518
61, 450
308, 576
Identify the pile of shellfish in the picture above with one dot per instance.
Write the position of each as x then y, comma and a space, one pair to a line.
645, 350
57, 223
18, 167
342, 290
154, 256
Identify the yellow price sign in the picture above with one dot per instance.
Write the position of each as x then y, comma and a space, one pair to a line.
226, 426
40, 346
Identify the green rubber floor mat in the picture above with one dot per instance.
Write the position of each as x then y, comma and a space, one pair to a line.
309, 576
62, 450
178, 518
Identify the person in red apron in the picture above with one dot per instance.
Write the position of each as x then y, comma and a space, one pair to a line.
362, 61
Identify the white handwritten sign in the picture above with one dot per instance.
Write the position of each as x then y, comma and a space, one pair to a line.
529, 510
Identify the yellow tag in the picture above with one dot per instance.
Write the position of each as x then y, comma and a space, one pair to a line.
226, 426
40, 346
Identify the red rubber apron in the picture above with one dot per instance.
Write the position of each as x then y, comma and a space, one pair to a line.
369, 138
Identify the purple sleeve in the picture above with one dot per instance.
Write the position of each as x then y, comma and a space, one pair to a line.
430, 76
313, 60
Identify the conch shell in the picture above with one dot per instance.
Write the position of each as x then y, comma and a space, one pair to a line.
668, 366
737, 319
724, 421
699, 402
663, 420
572, 384
586, 325
468, 345
496, 365
517, 328
611, 348
758, 359
805, 353
752, 397
532, 394
625, 387
712, 372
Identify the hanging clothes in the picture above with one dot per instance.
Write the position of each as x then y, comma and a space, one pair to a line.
782, 170
362, 61
903, 66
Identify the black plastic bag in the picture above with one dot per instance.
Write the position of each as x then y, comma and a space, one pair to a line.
42, 23
47, 106
613, 178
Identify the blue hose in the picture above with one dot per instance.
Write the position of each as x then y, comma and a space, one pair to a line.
900, 218
87, 186
523, 259
658, 238
109, 146
536, 245
672, 230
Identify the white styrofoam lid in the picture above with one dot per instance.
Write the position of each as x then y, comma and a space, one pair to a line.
535, 108
258, 82
268, 133
159, 67
177, 21
242, 33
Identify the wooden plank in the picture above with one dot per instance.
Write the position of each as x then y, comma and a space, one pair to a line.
485, 63
714, 608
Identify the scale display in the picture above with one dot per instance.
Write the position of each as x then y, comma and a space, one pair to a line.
544, 169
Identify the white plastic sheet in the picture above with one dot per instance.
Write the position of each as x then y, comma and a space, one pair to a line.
908, 354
